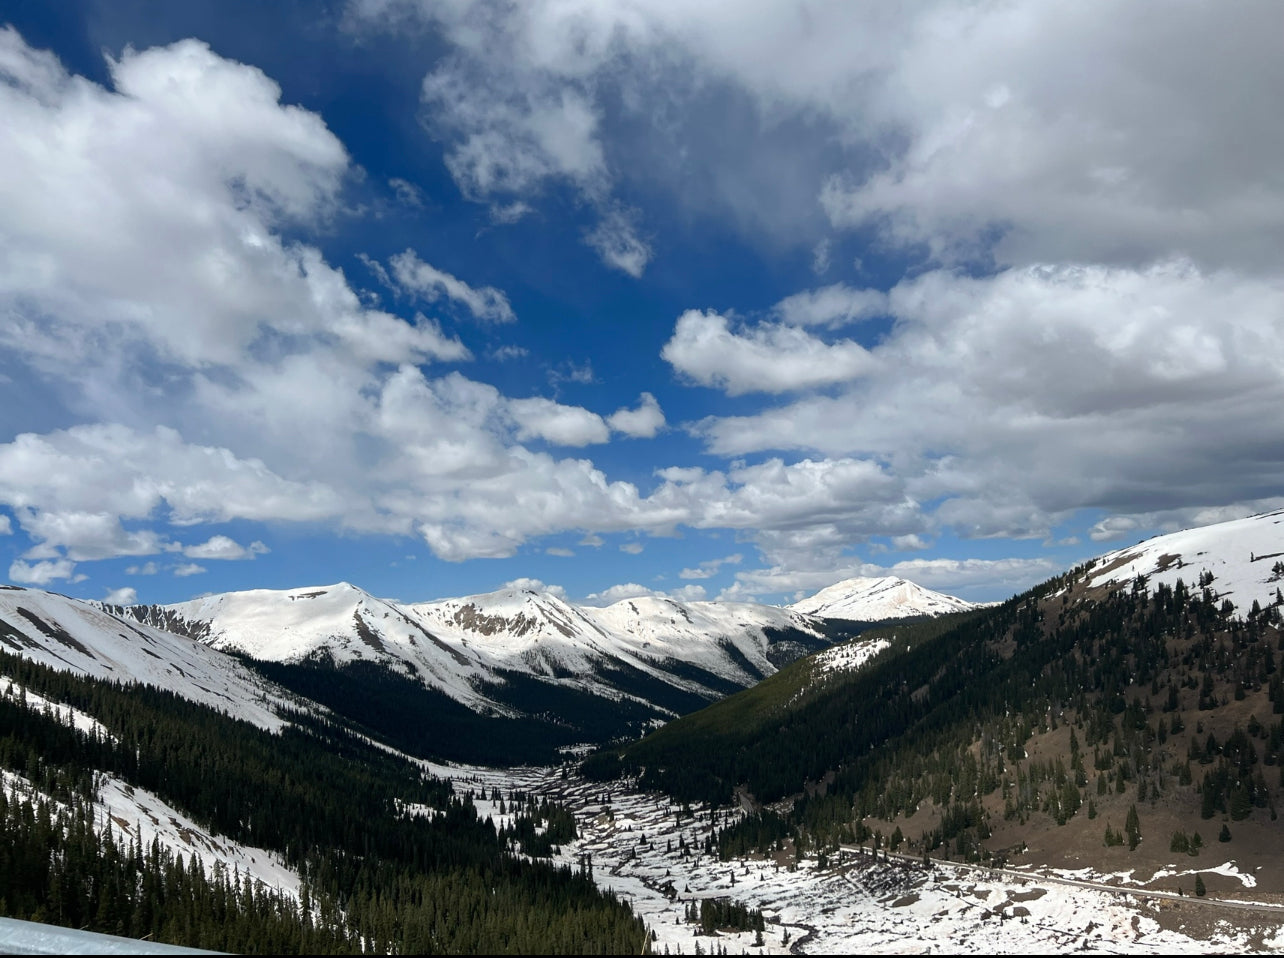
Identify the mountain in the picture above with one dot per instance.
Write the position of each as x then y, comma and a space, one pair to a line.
505, 677
874, 600
132, 809
1124, 716
87, 639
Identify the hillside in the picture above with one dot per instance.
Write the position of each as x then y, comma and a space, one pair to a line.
1119, 715
376, 853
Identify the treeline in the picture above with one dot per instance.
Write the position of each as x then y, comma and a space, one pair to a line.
332, 806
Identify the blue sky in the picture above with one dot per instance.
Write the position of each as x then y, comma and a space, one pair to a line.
720, 301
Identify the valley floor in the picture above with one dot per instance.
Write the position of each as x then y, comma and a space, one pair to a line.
644, 848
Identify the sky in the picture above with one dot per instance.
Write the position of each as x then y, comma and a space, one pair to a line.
607, 297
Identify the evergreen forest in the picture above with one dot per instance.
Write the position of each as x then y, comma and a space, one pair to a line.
393, 860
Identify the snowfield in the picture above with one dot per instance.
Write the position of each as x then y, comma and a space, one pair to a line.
1241, 555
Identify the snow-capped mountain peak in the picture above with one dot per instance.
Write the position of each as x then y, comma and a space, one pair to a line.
875, 599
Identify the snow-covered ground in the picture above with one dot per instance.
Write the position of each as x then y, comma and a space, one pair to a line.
847, 657
82, 637
857, 904
1241, 555
137, 813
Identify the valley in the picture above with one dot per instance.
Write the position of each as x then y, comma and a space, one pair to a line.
1093, 764
651, 852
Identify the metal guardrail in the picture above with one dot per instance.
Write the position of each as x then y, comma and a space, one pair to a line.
32, 938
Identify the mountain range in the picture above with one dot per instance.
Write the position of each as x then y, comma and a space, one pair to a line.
507, 676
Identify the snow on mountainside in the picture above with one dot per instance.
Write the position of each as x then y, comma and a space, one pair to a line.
872, 600
1244, 556
466, 646
84, 638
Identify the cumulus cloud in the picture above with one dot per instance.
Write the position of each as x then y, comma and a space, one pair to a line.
223, 547
632, 590
1001, 397
72, 488
415, 276
6, 528
125, 595
528, 584
762, 358
539, 418
311, 408
43, 572
633, 548
642, 422
1016, 398
184, 569
1134, 164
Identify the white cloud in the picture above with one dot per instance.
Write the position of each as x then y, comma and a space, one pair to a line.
223, 547
560, 551
615, 238
125, 595
633, 548
509, 212
1011, 399
415, 276
953, 576
41, 573
1112, 527
6, 528
592, 541
821, 256
147, 568
762, 358
508, 351
188, 568
86, 536
1020, 397
709, 568
968, 128
1002, 134
407, 193
632, 590
506, 138
569, 371
539, 418
71, 488
529, 584
834, 305
640, 423
910, 541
